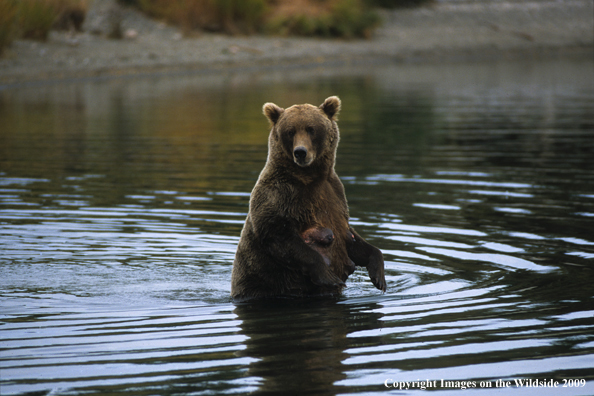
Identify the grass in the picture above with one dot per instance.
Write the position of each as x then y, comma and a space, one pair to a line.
399, 3
340, 18
33, 19
327, 18
71, 14
231, 16
8, 14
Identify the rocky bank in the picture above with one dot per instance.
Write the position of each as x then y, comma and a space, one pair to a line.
445, 31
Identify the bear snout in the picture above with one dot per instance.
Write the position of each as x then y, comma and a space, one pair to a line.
300, 154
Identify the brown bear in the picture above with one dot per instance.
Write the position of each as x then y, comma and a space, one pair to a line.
285, 249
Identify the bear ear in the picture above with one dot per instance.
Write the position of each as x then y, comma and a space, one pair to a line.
331, 106
272, 112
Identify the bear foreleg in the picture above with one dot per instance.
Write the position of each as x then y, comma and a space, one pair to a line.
363, 254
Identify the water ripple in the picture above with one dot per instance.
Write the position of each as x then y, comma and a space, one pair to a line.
122, 202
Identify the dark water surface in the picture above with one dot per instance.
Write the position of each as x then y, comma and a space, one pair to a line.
121, 204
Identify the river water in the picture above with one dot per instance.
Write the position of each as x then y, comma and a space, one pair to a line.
122, 200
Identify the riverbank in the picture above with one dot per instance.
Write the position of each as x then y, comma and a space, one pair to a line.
445, 31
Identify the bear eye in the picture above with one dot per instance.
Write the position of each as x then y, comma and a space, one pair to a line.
291, 132
309, 130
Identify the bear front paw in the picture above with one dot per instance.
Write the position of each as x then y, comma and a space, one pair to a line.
375, 269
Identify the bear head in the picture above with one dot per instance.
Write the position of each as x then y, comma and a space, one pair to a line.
304, 134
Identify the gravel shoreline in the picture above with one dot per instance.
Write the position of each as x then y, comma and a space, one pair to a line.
446, 31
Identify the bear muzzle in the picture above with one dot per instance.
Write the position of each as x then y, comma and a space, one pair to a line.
302, 156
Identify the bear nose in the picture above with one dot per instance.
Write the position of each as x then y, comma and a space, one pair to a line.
300, 153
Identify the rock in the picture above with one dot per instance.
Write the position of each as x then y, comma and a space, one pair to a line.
104, 18
130, 34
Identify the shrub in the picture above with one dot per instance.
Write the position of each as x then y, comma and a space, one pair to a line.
71, 14
398, 3
8, 13
342, 18
338, 18
350, 18
240, 15
35, 18
232, 16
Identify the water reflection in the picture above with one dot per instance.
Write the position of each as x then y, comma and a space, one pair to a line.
298, 348
121, 204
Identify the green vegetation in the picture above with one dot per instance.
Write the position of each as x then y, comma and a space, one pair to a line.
398, 3
8, 13
33, 19
338, 18
231, 16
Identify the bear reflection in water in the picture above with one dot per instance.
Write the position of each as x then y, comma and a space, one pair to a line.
298, 346
297, 240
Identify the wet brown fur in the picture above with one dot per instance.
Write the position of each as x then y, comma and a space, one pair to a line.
293, 195
320, 239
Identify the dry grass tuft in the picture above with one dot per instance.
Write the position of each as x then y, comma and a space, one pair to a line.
231, 16
342, 18
336, 18
71, 14
400, 3
8, 14
33, 19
